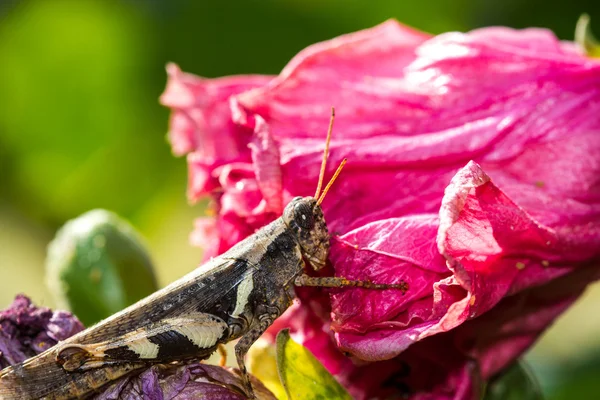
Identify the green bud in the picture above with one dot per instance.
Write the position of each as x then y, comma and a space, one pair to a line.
97, 265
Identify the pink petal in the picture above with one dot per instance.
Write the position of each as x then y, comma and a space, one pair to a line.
201, 120
388, 251
266, 161
339, 72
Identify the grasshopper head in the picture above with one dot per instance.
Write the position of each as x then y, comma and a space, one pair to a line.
304, 216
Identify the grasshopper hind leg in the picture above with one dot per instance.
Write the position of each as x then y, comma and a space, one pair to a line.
193, 336
242, 347
265, 318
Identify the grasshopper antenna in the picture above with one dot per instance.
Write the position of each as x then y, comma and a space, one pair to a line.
337, 172
326, 154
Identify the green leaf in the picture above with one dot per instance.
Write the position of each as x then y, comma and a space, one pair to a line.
262, 363
585, 38
514, 383
302, 375
97, 265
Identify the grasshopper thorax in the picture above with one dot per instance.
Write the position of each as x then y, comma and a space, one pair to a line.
304, 217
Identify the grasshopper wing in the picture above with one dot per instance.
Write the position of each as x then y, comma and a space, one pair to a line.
209, 290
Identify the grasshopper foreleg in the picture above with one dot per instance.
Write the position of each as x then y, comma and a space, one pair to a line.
338, 282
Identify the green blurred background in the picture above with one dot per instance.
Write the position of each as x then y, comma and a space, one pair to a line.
81, 127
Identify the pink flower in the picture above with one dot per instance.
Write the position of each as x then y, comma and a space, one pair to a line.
473, 174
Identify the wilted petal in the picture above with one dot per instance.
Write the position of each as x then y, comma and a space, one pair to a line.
192, 381
27, 330
10, 351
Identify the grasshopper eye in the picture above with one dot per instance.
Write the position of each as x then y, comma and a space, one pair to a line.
303, 215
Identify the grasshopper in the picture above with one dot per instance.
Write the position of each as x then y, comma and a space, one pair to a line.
237, 295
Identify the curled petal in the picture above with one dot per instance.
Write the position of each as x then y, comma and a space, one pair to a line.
266, 162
